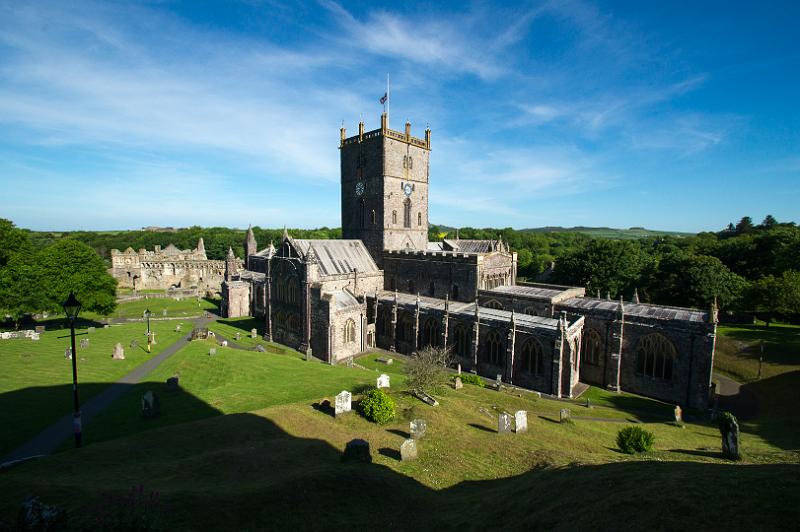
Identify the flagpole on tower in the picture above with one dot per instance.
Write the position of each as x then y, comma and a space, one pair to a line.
387, 98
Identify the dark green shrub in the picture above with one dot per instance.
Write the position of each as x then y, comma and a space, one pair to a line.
635, 440
471, 378
377, 406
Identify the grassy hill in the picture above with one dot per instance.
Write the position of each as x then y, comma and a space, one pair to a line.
607, 232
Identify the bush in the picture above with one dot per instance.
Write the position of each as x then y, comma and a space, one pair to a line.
635, 440
377, 406
471, 378
426, 370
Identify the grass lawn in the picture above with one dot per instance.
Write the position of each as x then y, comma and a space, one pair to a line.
738, 349
189, 306
254, 470
36, 383
228, 327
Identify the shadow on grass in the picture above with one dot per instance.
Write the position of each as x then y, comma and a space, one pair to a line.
324, 407
481, 427
241, 471
389, 453
778, 419
698, 452
551, 420
398, 432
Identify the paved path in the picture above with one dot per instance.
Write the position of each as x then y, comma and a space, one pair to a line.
735, 397
53, 436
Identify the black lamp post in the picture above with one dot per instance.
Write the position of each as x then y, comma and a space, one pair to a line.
147, 315
71, 308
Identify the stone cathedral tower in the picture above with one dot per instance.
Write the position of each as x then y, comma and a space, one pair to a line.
385, 188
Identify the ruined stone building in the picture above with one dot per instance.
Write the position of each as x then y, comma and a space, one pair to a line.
385, 285
167, 268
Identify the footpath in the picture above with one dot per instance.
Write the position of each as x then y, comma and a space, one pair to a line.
54, 436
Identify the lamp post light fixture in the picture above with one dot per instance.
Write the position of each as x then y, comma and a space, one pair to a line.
71, 308
147, 315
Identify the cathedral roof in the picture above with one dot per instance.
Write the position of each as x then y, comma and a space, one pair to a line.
642, 310
344, 299
338, 256
472, 246
545, 292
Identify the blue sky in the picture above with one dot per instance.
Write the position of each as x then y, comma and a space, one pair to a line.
670, 115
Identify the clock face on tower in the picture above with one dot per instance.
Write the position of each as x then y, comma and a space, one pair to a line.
359, 188
407, 189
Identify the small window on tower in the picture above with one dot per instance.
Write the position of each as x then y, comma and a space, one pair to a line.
410, 163
373, 216
394, 217
405, 161
419, 218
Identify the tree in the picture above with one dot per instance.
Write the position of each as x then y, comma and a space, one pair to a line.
21, 287
71, 265
744, 226
613, 266
696, 280
773, 296
12, 240
769, 222
426, 370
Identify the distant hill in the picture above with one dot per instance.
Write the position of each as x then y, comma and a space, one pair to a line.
599, 232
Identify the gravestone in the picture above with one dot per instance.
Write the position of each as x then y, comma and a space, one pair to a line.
729, 430
253, 333
499, 378
224, 343
418, 428
678, 415
521, 421
35, 336
212, 351
349, 362
385, 360
152, 337
90, 330
164, 312
457, 384
39, 329
459, 369
84, 343
119, 352
260, 348
238, 336
178, 328
357, 451
564, 416
150, 405
426, 398
503, 423
309, 355
134, 344
173, 383
383, 381
408, 451
538, 395
68, 353
343, 403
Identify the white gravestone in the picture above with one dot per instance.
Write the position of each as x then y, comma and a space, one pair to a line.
343, 403
34, 336
564, 417
408, 451
418, 428
212, 351
503, 423
521, 421
224, 343
119, 352
678, 415
253, 333
457, 384
68, 353
383, 381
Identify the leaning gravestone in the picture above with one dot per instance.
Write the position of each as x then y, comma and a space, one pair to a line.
260, 348
408, 451
150, 405
343, 403
119, 352
503, 423
357, 451
383, 381
173, 383
418, 428
729, 430
253, 333
564, 416
521, 421
678, 415
384, 360
457, 384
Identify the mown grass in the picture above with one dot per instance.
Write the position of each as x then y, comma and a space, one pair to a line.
35, 374
228, 327
739, 348
190, 306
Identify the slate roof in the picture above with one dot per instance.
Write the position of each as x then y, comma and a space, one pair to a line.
344, 299
533, 292
471, 246
643, 310
466, 311
338, 256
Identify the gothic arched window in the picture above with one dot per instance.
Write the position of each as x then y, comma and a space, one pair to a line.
532, 358
373, 217
407, 329
432, 289
407, 213
462, 341
494, 304
593, 347
419, 218
293, 323
430, 333
293, 292
655, 357
411, 286
455, 291
349, 332
494, 347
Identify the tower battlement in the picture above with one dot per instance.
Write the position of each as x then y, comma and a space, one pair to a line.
385, 131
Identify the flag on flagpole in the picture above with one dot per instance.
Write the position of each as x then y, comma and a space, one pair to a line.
384, 98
